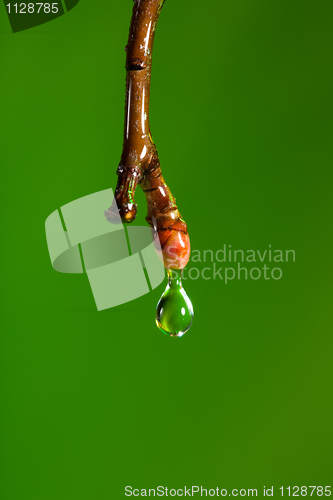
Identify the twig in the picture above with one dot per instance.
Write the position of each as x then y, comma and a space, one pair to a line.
139, 162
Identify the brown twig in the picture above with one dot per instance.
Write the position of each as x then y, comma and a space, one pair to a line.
139, 162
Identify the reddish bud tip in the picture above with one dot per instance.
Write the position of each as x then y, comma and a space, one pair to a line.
176, 248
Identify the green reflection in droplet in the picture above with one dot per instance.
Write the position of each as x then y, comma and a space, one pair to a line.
174, 312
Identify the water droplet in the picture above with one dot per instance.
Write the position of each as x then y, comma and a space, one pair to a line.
174, 312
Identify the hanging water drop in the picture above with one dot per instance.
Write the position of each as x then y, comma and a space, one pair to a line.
174, 312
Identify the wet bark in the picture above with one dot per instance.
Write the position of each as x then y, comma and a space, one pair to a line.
139, 163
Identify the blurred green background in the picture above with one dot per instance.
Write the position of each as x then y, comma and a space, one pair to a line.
241, 113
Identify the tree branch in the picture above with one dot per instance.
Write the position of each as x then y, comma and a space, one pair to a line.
139, 162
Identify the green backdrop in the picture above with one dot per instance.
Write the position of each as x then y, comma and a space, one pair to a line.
241, 113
